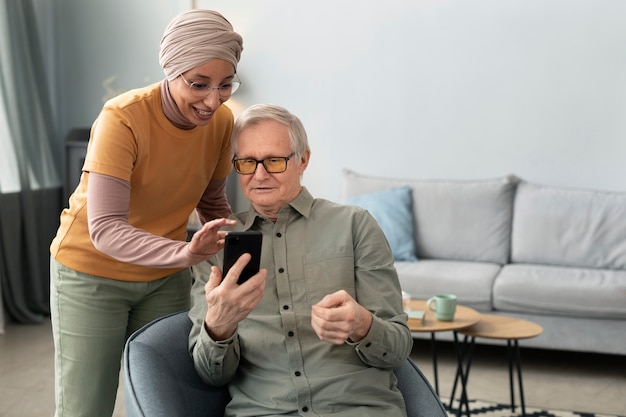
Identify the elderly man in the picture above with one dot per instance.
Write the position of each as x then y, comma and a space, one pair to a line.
318, 331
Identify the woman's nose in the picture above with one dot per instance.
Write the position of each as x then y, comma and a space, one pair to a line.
213, 99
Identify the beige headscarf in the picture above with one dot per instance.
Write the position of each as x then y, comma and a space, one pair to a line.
194, 38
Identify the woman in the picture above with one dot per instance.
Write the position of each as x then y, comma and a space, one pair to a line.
120, 259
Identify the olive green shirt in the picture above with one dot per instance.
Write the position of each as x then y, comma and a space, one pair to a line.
275, 364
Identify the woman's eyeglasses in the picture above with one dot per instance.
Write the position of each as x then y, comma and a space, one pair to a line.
201, 90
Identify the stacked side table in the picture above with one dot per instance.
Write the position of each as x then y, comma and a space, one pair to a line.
504, 328
463, 318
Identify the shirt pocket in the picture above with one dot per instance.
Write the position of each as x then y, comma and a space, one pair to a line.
327, 271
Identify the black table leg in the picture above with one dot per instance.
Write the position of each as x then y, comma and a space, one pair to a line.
515, 365
509, 351
462, 375
457, 376
433, 349
518, 360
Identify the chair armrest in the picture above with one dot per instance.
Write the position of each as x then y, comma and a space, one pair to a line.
159, 377
419, 396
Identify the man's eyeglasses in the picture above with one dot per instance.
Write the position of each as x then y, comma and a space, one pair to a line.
273, 165
204, 89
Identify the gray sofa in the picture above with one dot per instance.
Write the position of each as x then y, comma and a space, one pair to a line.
554, 256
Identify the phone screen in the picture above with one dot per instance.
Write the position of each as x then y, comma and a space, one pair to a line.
238, 243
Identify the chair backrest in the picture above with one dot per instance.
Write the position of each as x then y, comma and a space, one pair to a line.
160, 379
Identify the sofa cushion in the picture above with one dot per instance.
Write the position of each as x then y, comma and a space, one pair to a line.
470, 281
568, 227
561, 291
457, 220
393, 210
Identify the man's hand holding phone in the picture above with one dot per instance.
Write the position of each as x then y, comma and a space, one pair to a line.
229, 302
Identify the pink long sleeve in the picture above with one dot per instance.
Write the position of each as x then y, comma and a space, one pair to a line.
108, 201
213, 204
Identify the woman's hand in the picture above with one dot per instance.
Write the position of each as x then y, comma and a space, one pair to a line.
210, 239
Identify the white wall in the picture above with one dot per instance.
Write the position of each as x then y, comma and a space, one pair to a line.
103, 48
458, 89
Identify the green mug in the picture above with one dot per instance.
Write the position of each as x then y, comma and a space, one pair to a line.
445, 306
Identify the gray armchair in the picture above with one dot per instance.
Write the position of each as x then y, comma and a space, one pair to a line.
160, 379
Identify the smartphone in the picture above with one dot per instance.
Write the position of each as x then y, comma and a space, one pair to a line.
238, 243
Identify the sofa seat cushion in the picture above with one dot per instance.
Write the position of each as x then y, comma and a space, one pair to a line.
470, 281
561, 291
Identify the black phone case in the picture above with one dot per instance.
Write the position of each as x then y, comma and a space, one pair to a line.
238, 243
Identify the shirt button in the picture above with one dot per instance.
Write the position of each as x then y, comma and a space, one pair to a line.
368, 344
285, 307
290, 334
305, 409
298, 373
281, 270
279, 234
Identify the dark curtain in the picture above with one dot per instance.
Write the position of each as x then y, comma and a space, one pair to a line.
28, 222
30, 205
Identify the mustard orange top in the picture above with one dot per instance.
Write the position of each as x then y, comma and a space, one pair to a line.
168, 170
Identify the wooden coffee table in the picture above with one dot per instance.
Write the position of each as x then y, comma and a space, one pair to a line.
463, 318
506, 328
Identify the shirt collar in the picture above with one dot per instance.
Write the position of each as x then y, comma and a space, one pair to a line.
302, 204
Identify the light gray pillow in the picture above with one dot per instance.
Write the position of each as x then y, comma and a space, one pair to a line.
458, 220
393, 210
572, 227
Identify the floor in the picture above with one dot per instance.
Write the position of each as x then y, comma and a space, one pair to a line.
560, 380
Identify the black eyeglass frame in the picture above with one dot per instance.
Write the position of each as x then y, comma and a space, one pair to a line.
262, 161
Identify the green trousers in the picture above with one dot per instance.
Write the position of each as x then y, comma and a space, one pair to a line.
91, 319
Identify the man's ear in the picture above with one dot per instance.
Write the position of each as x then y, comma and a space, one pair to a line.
304, 160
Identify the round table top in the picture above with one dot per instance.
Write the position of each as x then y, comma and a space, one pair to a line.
463, 317
502, 327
